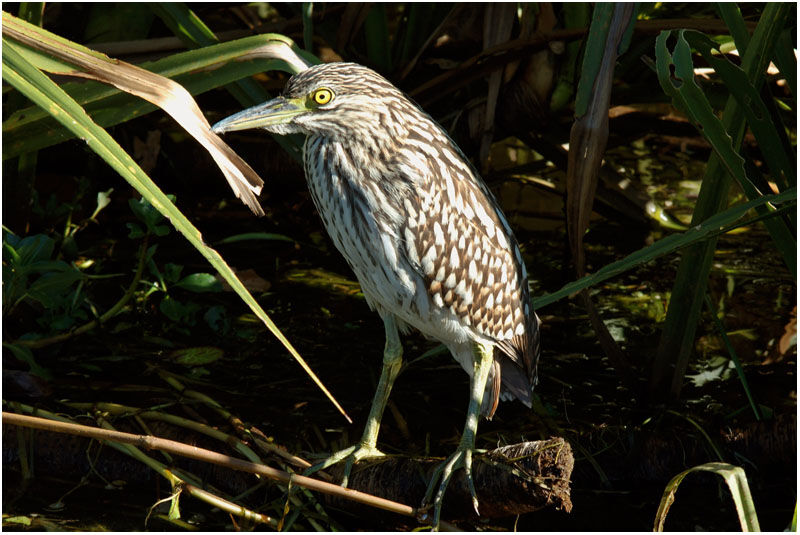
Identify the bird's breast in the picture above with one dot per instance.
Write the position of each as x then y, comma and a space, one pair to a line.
360, 212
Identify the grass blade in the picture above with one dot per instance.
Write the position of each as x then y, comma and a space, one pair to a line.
198, 70
736, 480
45, 93
736, 362
308, 26
376, 31
758, 117
688, 96
718, 224
677, 337
185, 24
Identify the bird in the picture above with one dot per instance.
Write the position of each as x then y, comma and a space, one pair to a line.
424, 236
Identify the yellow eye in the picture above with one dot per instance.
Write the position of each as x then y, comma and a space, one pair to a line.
322, 95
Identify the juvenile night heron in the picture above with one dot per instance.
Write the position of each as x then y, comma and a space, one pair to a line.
423, 234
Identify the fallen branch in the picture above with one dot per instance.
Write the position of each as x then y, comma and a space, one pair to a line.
511, 480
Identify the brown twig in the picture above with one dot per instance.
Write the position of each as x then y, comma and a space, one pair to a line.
192, 452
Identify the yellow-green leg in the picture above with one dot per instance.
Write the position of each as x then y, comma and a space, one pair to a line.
367, 446
483, 358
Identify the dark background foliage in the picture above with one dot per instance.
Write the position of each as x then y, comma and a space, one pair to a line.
502, 79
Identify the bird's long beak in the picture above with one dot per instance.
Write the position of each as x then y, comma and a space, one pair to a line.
279, 110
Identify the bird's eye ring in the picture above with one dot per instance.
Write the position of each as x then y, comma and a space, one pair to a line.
322, 95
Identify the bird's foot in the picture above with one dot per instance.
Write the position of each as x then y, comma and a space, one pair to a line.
461, 458
350, 455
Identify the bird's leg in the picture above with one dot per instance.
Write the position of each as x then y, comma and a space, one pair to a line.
483, 358
367, 446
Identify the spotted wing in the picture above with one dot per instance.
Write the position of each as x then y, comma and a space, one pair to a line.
470, 261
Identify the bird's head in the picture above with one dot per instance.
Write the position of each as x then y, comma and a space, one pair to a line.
332, 99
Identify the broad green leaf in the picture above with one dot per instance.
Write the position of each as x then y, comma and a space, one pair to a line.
34, 249
172, 272
147, 214
51, 288
135, 231
217, 318
178, 311
43, 266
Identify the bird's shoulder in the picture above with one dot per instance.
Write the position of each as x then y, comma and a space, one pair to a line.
457, 238
455, 235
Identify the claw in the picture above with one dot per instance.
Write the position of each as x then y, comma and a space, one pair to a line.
482, 362
461, 458
351, 455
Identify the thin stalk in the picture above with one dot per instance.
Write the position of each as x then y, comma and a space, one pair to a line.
702, 432
736, 362
234, 421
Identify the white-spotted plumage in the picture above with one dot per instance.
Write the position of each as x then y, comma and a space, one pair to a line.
423, 234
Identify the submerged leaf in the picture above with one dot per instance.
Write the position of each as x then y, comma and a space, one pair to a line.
197, 356
200, 282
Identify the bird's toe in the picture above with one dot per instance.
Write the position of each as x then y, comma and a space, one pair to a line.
350, 456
